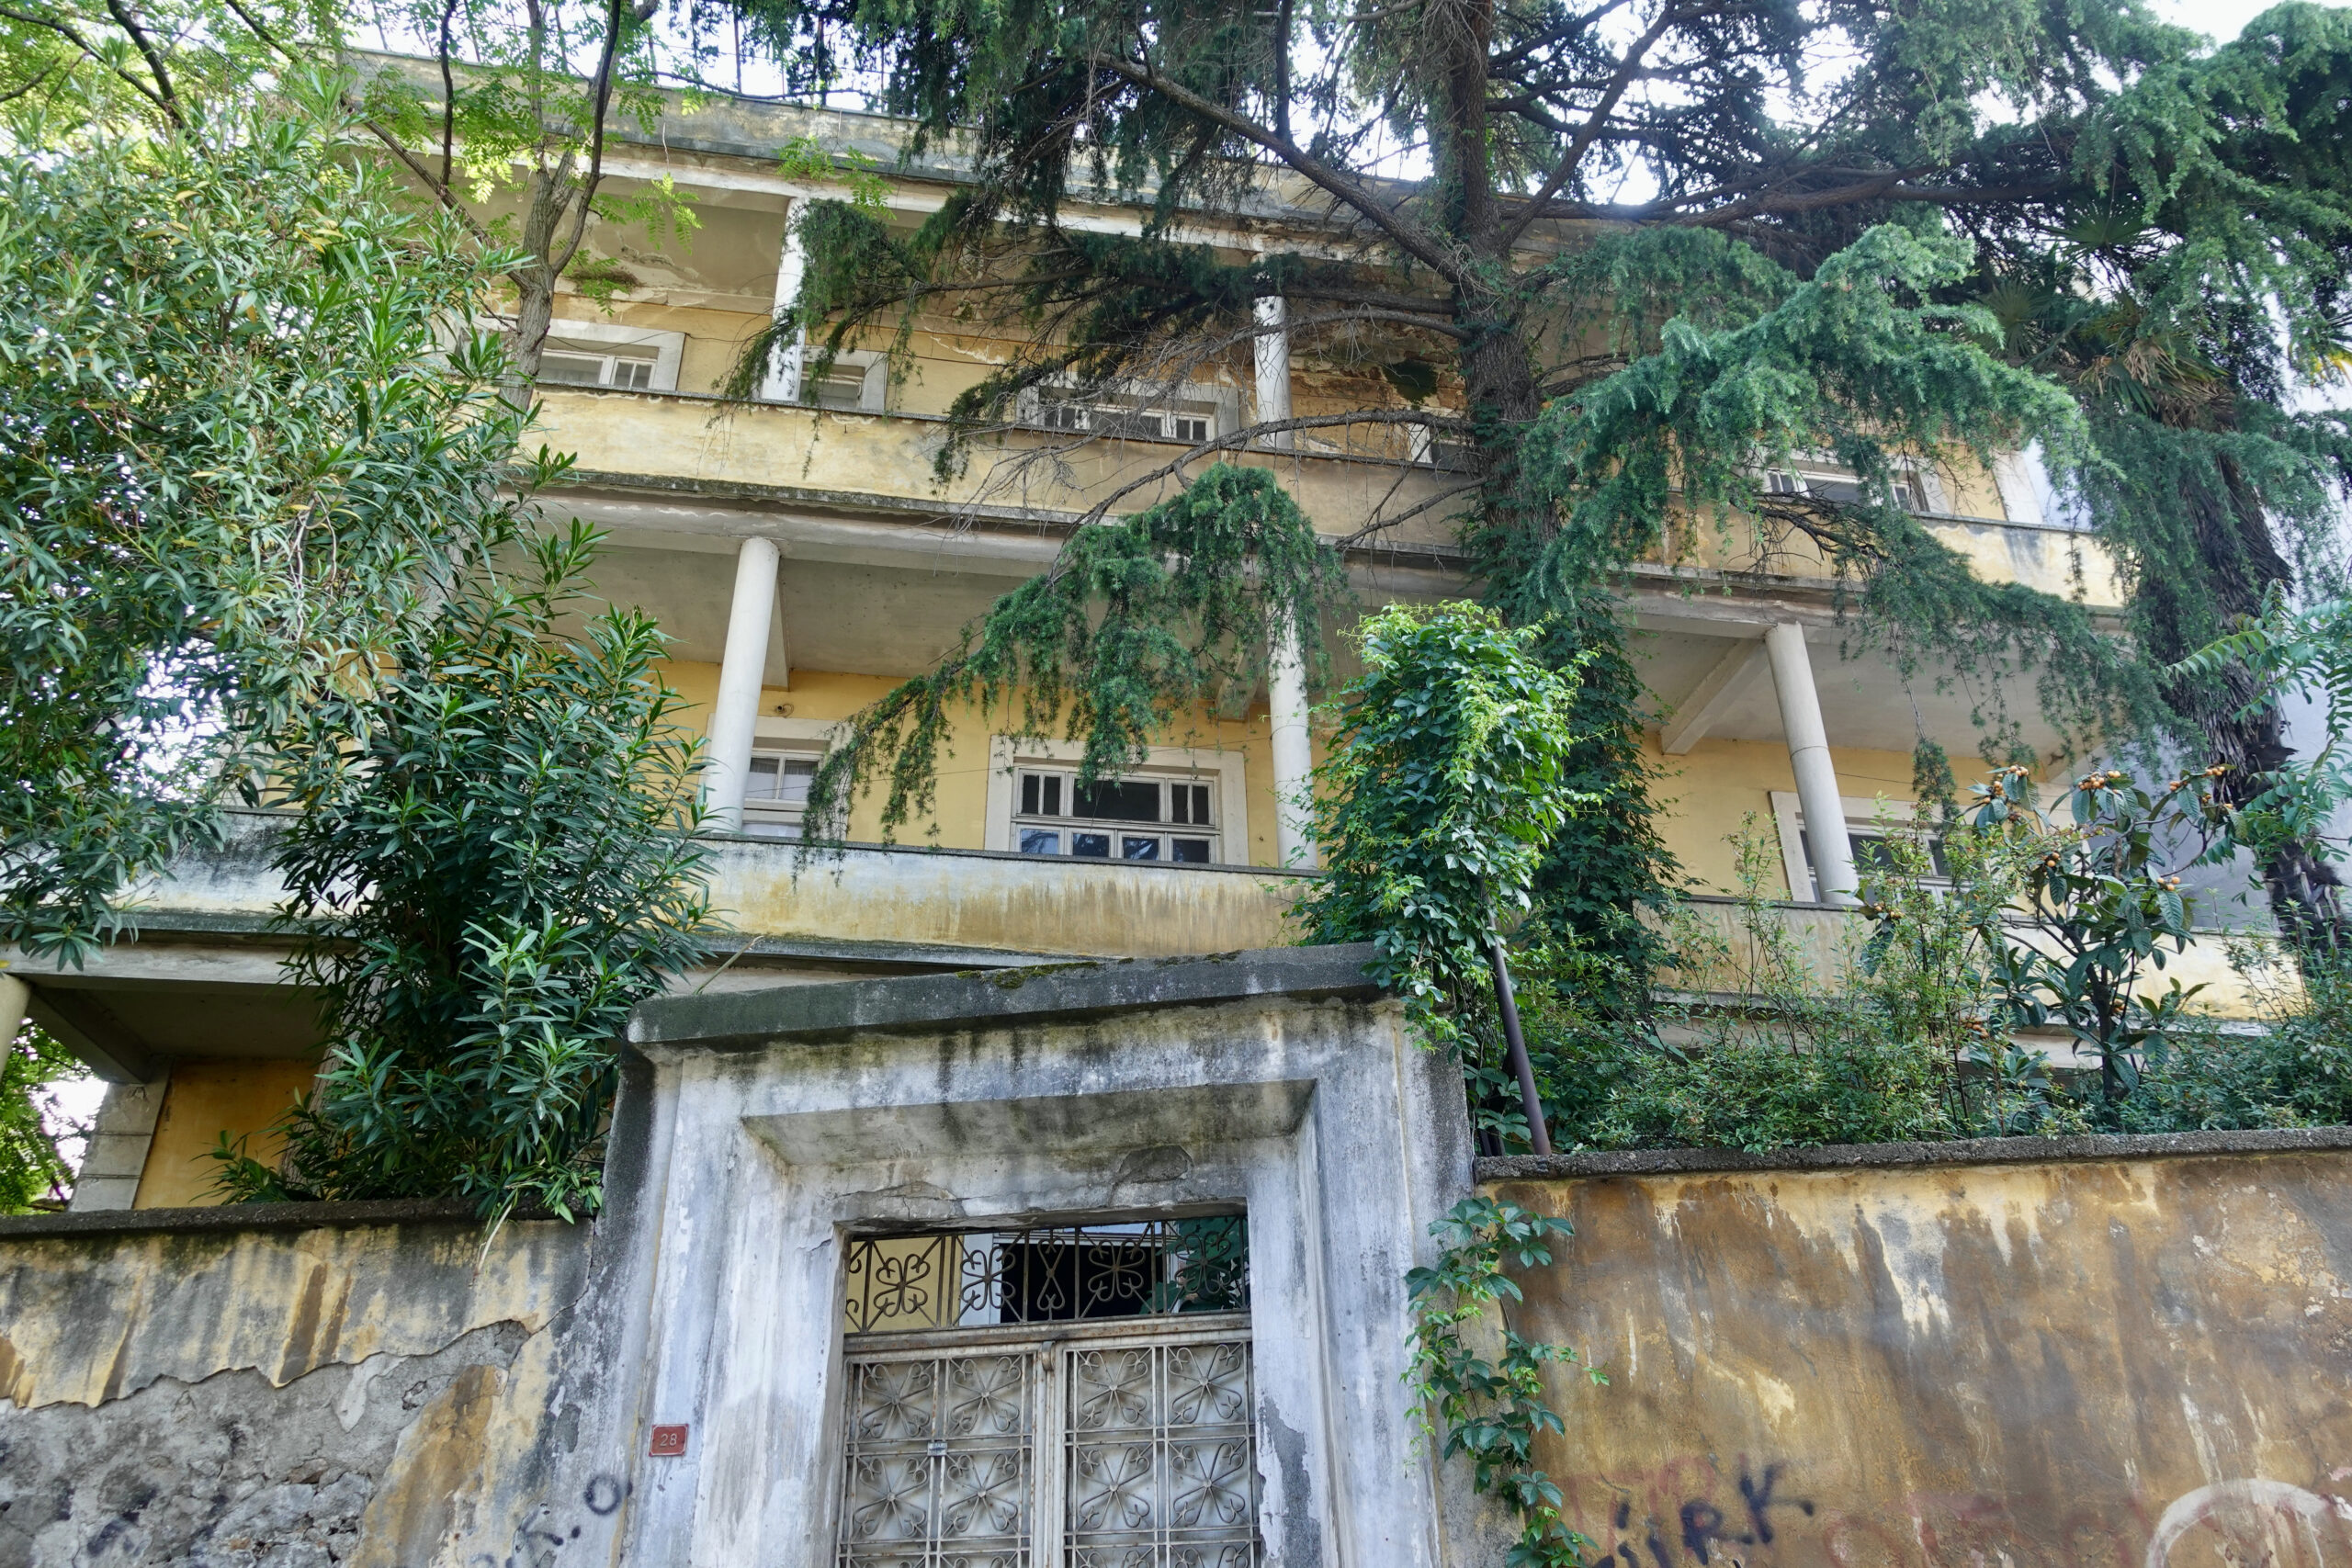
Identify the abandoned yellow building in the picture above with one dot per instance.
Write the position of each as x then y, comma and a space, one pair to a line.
1015, 1196
805, 555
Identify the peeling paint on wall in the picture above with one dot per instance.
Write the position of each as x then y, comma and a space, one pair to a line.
2143, 1363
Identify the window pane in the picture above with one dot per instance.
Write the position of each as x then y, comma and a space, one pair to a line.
1189, 851
572, 369
1139, 849
1097, 845
792, 785
636, 372
1040, 841
1029, 794
758, 784
1200, 805
1052, 796
1118, 800
843, 387
1189, 427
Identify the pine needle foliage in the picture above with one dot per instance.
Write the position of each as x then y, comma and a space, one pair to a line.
2003, 226
492, 862
1141, 622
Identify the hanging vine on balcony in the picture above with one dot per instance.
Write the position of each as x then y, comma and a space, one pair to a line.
1139, 623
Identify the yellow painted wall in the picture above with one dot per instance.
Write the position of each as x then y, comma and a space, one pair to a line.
960, 820
204, 1099
1705, 793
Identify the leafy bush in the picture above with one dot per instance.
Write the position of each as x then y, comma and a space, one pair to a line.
492, 864
1441, 787
239, 448
33, 1122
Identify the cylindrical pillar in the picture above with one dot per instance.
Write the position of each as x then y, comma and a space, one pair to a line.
1294, 754
735, 715
1285, 664
1273, 344
781, 383
1825, 815
15, 997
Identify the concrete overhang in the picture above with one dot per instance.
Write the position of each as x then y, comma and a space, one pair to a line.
752, 1020
1118, 1122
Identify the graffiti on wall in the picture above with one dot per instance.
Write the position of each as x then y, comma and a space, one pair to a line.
1755, 1514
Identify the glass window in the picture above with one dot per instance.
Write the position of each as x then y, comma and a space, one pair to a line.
1105, 816
843, 387
776, 793
572, 364
1873, 852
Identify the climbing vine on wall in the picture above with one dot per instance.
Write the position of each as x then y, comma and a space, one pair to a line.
1492, 1409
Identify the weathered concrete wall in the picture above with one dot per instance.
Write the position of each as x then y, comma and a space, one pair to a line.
364, 1394
2126, 1361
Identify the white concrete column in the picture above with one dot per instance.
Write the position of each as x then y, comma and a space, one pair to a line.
1272, 344
1824, 817
782, 383
15, 997
1294, 755
1286, 663
736, 713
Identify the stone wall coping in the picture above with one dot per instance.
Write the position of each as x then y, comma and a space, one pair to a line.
1881, 1157
747, 1020
230, 1217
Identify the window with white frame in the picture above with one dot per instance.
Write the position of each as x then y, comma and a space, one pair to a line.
1068, 1395
1141, 417
1827, 481
857, 382
606, 354
776, 790
1869, 827
1141, 817
572, 364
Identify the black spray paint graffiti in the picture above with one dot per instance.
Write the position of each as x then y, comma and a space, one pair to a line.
1706, 1529
536, 1546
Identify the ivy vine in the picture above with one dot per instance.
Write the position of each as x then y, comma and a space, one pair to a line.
1493, 1410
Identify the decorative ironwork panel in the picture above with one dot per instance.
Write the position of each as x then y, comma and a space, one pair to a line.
1160, 1472
1051, 1274
938, 1464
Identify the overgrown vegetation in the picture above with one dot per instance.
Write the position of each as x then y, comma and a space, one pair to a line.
2072, 225
1442, 787
1984, 946
239, 449
33, 1172
1492, 1405
492, 862
1141, 624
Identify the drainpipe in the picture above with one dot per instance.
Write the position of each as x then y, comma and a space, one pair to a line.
1539, 1136
735, 715
1825, 815
1286, 662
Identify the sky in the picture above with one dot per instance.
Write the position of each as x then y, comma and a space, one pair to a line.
2218, 19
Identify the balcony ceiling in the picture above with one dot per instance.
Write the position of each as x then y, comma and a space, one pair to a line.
859, 618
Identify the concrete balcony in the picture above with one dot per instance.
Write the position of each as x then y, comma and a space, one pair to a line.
202, 979
1827, 938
